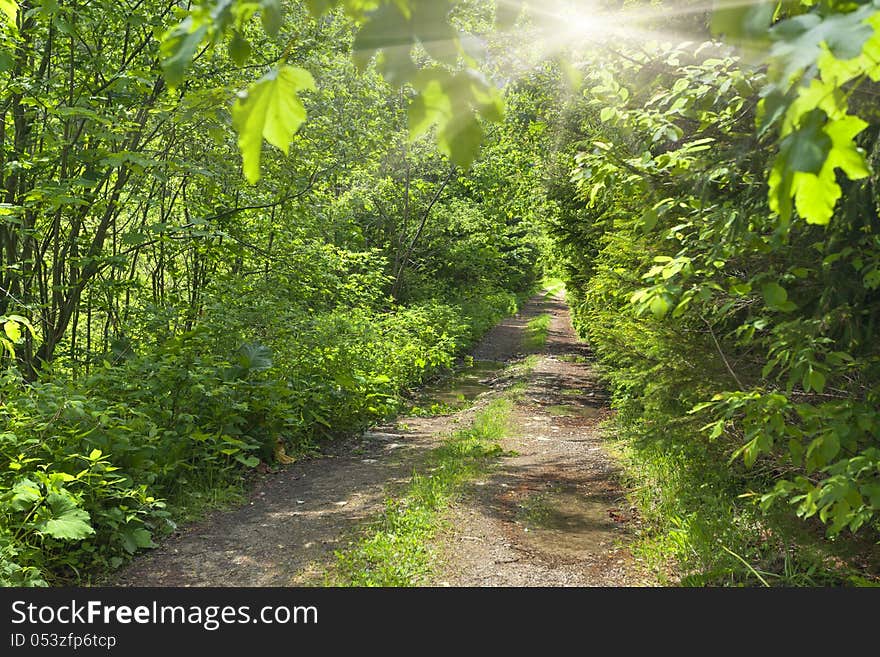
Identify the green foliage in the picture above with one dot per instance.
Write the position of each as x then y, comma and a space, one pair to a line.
732, 331
175, 421
413, 42
182, 327
13, 333
817, 56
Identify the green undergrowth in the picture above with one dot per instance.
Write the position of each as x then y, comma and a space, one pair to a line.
699, 528
103, 466
738, 341
395, 549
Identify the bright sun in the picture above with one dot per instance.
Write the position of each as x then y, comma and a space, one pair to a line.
568, 23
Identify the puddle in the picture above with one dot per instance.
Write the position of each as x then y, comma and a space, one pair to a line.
568, 525
459, 389
575, 410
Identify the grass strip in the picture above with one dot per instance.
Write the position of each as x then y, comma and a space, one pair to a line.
536, 332
395, 549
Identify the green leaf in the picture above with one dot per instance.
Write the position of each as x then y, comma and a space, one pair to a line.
9, 8
133, 538
814, 380
741, 21
385, 28
319, 7
796, 451
249, 461
774, 294
659, 306
12, 329
178, 48
255, 357
24, 494
271, 16
430, 26
815, 196
844, 153
68, 522
806, 148
799, 40
430, 106
239, 48
270, 109
460, 139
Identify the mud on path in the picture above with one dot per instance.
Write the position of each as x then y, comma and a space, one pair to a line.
550, 516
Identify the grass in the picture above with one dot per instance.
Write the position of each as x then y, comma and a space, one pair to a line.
395, 549
697, 530
195, 503
536, 332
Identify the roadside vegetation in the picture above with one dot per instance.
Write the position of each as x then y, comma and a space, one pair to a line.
183, 306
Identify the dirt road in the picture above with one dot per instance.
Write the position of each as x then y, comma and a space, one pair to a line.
554, 515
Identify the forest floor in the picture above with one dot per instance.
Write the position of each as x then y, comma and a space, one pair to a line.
551, 512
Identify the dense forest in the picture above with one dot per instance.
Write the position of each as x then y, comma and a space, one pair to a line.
233, 230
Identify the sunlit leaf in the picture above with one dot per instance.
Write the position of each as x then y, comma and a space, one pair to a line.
270, 109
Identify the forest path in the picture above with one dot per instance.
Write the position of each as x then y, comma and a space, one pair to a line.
553, 515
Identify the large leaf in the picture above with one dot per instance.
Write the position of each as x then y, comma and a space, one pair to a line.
806, 148
12, 330
805, 168
24, 494
777, 298
742, 21
430, 26
270, 109
272, 16
68, 522
429, 107
385, 28
452, 103
774, 294
318, 7
799, 40
255, 357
